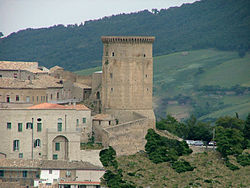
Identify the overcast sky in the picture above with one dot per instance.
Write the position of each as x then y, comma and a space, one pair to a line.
21, 14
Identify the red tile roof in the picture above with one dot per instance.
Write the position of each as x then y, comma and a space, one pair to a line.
58, 106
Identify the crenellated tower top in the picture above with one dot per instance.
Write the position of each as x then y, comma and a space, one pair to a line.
127, 39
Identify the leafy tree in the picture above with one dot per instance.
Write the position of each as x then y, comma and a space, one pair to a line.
246, 132
107, 157
230, 122
229, 141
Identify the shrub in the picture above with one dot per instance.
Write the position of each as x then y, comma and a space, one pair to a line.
107, 157
182, 166
231, 166
243, 159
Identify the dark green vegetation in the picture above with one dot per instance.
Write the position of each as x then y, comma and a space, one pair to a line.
192, 129
161, 149
201, 25
113, 176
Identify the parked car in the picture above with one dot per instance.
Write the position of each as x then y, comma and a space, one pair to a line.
212, 143
198, 143
190, 142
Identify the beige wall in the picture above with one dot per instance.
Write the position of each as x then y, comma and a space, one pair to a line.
49, 132
127, 75
35, 96
18, 74
89, 175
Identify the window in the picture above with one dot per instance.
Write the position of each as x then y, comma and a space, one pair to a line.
111, 75
17, 97
59, 124
146, 75
57, 95
51, 96
57, 148
50, 171
25, 174
8, 99
15, 145
77, 122
144, 55
20, 127
41, 98
83, 120
1, 76
27, 99
20, 155
37, 98
113, 53
112, 89
15, 75
8, 125
29, 125
1, 173
37, 143
32, 98
55, 157
39, 127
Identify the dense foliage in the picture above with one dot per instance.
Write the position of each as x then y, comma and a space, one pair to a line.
191, 129
113, 176
203, 24
161, 149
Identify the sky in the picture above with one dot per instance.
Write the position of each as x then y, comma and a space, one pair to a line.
16, 15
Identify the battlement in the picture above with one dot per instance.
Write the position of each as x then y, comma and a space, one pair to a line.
127, 39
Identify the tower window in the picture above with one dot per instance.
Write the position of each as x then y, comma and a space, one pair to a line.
113, 53
15, 145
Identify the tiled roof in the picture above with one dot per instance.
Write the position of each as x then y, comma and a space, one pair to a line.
58, 106
103, 117
55, 68
43, 81
19, 65
46, 164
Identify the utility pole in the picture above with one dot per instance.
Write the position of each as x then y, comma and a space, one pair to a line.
213, 137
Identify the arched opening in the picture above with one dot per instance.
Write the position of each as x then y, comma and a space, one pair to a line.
60, 148
37, 143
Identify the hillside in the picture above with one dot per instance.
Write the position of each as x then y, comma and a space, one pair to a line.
210, 171
203, 24
208, 83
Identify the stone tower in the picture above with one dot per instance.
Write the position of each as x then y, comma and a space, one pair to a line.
127, 79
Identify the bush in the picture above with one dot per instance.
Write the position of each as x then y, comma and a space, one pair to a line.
182, 166
243, 159
107, 157
161, 149
231, 166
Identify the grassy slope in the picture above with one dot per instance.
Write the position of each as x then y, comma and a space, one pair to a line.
209, 172
181, 73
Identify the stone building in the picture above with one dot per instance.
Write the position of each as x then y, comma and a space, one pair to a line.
44, 131
126, 92
44, 173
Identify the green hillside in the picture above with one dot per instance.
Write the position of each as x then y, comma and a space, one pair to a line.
200, 25
208, 83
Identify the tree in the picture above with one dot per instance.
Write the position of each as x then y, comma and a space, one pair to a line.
1, 34
246, 132
230, 122
229, 141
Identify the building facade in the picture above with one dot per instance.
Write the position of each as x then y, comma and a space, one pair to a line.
45, 131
